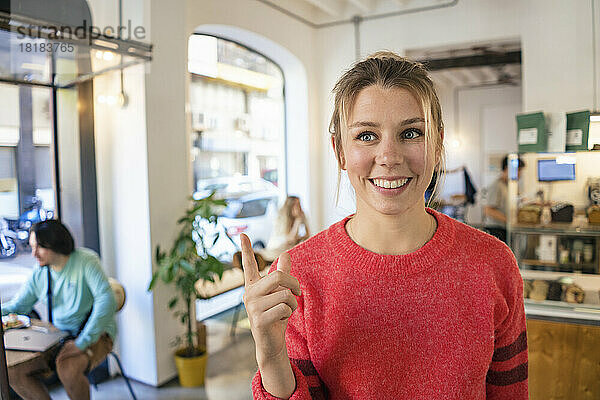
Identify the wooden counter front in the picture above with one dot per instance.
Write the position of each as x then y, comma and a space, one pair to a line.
564, 361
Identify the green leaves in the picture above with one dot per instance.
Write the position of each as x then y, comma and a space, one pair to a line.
152, 282
187, 267
173, 302
188, 261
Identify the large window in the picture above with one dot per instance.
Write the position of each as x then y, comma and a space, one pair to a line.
27, 179
31, 188
238, 122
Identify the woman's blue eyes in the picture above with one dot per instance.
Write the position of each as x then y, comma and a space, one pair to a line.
412, 133
366, 136
409, 134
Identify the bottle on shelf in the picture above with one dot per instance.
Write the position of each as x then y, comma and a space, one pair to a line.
563, 257
546, 217
588, 251
577, 251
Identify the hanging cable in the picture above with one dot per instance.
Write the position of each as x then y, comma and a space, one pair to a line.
356, 21
594, 56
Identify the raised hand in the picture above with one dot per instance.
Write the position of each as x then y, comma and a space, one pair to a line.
269, 302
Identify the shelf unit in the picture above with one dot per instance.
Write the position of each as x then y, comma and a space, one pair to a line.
525, 239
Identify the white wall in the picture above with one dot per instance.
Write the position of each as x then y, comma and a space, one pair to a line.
556, 39
123, 211
169, 159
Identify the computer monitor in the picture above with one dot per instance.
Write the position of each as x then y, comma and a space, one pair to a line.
513, 169
549, 171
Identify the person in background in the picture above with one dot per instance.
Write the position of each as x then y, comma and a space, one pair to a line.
289, 229
396, 301
83, 304
433, 185
496, 209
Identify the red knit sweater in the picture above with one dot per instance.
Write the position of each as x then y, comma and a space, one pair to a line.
444, 322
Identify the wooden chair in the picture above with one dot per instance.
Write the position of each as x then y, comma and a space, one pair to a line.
120, 297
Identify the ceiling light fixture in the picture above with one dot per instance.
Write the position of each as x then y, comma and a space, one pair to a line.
455, 143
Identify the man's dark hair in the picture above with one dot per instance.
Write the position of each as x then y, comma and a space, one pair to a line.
52, 234
521, 163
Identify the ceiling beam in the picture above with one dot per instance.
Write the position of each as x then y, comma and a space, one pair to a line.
462, 76
441, 79
489, 75
472, 74
451, 77
512, 57
331, 7
513, 69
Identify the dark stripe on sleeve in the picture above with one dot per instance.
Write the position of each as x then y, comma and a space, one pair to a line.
318, 393
505, 378
508, 352
306, 366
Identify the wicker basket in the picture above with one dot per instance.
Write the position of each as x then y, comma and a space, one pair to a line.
593, 213
529, 214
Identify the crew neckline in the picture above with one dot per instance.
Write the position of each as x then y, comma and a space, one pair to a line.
63, 269
427, 255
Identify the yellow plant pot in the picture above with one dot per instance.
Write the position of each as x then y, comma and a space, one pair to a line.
191, 369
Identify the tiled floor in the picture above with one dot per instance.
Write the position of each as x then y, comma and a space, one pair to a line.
231, 366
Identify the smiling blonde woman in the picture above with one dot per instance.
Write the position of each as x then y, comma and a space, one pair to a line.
396, 301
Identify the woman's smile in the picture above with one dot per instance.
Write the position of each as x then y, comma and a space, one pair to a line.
391, 187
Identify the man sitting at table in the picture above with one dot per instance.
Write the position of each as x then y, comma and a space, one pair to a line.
82, 304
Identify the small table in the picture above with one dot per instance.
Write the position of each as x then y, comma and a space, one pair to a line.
15, 357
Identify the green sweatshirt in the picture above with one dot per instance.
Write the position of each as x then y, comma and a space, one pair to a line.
79, 287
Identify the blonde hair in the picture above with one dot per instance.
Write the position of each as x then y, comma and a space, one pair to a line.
388, 70
285, 217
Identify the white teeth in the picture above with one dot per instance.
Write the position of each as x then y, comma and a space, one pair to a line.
390, 184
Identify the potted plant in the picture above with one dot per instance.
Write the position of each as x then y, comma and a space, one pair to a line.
186, 263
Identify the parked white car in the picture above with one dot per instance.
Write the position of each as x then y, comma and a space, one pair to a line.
252, 214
